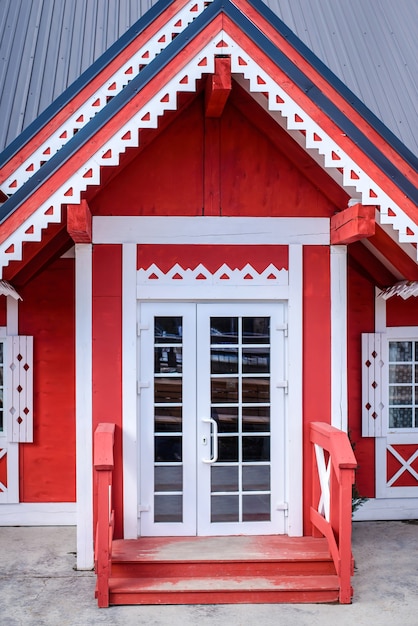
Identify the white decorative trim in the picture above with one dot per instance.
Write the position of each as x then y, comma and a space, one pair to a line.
405, 289
314, 138
9, 493
200, 284
84, 410
129, 393
96, 102
339, 401
212, 230
387, 509
294, 408
38, 514
6, 289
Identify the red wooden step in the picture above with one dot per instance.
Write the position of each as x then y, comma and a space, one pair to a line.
231, 590
215, 570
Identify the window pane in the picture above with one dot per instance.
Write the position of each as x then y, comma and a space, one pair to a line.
256, 390
400, 395
400, 418
168, 478
224, 478
227, 449
168, 508
256, 360
400, 373
167, 360
224, 390
255, 419
256, 508
224, 509
400, 351
168, 390
167, 420
224, 361
167, 449
226, 418
256, 330
256, 448
256, 478
223, 330
168, 329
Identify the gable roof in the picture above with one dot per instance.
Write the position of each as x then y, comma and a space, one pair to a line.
371, 46
319, 108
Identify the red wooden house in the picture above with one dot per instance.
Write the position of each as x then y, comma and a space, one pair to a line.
208, 250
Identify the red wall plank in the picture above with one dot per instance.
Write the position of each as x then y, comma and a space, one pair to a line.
170, 175
316, 353
107, 355
47, 466
3, 311
360, 320
400, 312
212, 257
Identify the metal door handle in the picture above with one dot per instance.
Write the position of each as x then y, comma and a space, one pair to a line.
214, 432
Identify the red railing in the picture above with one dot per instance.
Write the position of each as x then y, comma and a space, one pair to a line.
103, 470
331, 511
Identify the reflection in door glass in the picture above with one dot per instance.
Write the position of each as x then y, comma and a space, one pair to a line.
168, 422
240, 403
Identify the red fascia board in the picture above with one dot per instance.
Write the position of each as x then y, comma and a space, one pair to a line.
82, 96
76, 161
341, 139
283, 44
395, 255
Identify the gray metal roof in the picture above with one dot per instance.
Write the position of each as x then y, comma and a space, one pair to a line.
371, 45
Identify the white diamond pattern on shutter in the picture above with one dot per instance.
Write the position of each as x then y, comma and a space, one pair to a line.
20, 389
374, 404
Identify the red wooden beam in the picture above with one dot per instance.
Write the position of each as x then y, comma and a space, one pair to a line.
395, 255
79, 222
218, 87
352, 224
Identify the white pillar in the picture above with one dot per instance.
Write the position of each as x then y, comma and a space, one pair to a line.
339, 417
84, 412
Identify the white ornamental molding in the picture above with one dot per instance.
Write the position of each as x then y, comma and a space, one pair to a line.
225, 276
102, 96
316, 141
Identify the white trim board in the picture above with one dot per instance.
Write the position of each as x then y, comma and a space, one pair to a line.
39, 514
211, 230
387, 509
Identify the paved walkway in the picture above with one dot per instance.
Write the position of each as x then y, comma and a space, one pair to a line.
39, 587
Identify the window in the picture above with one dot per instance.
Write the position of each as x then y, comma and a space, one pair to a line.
403, 384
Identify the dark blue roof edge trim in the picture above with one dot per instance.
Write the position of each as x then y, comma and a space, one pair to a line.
151, 70
83, 80
336, 82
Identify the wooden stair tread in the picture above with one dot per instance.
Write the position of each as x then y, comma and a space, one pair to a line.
206, 549
240, 583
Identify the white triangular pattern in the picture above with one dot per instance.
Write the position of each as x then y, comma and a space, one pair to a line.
259, 81
234, 276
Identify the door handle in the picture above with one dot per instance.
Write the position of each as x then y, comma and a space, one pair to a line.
214, 434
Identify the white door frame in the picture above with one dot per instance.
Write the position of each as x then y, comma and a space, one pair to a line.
292, 292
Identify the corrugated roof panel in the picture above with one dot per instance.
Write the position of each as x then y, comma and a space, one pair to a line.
371, 46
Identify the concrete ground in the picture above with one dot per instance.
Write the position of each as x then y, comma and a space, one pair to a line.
39, 587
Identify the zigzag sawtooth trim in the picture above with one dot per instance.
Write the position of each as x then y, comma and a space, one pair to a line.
224, 275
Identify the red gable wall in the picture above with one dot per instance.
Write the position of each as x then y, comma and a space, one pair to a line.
170, 175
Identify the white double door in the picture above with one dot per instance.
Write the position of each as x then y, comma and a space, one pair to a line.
212, 418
